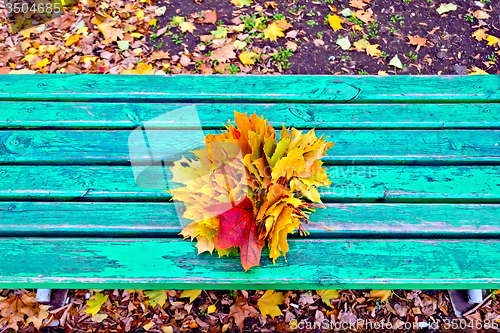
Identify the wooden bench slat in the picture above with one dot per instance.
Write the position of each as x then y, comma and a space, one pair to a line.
311, 264
111, 219
391, 183
296, 88
114, 116
353, 147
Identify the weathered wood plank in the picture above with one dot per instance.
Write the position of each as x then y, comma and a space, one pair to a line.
358, 147
311, 264
152, 220
382, 183
114, 116
193, 88
252, 88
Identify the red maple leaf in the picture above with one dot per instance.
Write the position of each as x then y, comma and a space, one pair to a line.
237, 227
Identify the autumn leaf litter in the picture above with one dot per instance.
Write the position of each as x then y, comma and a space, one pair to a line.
236, 311
259, 37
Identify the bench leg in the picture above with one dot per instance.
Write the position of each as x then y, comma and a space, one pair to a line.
54, 297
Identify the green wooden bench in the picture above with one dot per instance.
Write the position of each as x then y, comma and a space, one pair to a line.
415, 199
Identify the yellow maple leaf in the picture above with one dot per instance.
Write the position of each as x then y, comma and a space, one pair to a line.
187, 26
477, 71
372, 50
268, 303
109, 32
492, 40
156, 297
328, 295
360, 45
479, 34
148, 326
72, 40
273, 31
88, 59
382, 73
42, 63
94, 304
141, 69
192, 294
241, 3
382, 294
335, 22
139, 14
52, 49
247, 58
27, 33
29, 58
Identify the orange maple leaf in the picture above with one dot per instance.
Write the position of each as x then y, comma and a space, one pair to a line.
416, 40
210, 16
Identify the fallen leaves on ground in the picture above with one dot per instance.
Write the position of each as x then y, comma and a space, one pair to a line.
123, 37
18, 308
269, 303
273, 31
335, 22
446, 8
241, 310
234, 311
417, 41
192, 294
94, 304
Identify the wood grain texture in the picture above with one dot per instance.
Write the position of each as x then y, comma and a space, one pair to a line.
414, 201
358, 183
115, 116
311, 264
251, 88
152, 220
50, 147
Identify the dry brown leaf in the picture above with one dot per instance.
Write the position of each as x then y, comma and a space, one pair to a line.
241, 310
283, 24
292, 34
480, 34
156, 55
357, 4
224, 53
13, 309
366, 17
271, 4
291, 45
401, 310
442, 304
429, 305
417, 41
481, 15
110, 33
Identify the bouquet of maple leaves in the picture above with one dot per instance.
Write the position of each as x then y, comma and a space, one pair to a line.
246, 189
